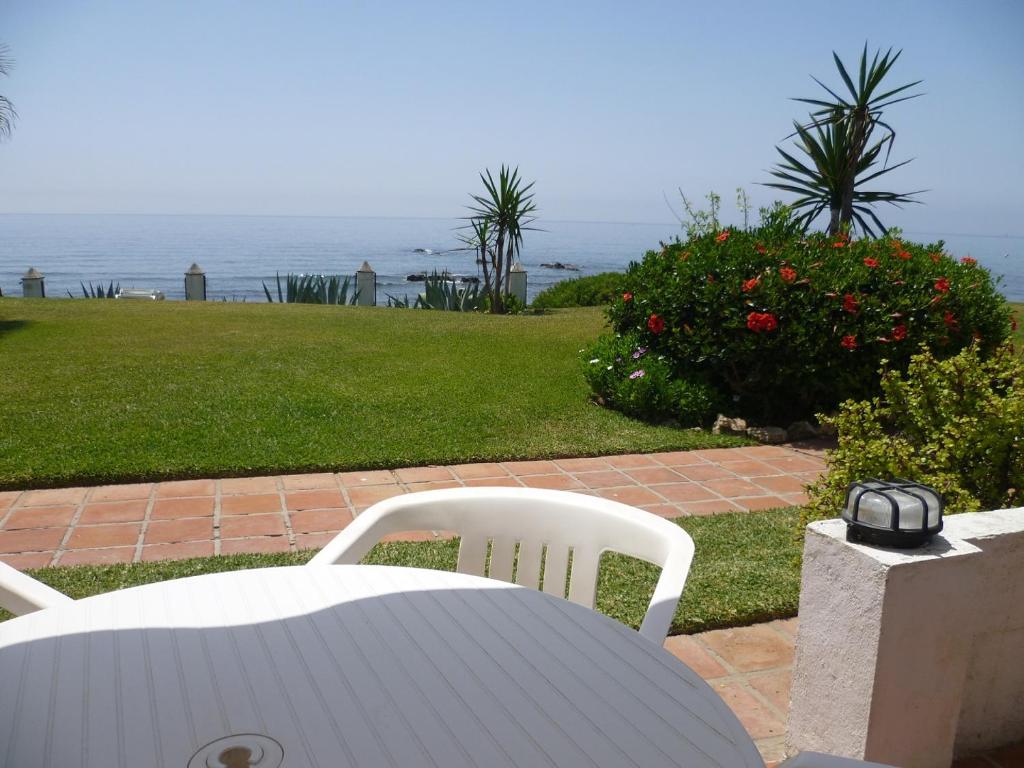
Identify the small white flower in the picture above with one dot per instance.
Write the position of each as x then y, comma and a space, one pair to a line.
595, 361
608, 368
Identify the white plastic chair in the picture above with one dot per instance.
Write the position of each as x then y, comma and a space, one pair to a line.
21, 594
526, 528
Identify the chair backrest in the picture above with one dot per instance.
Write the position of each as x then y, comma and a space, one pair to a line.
21, 594
536, 538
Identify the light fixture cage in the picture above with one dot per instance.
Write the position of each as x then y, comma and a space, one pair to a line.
892, 513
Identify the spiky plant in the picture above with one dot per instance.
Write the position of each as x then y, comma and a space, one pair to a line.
97, 291
7, 113
313, 289
841, 150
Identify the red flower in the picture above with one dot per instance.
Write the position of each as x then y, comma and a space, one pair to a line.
722, 236
899, 333
935, 257
850, 304
905, 255
849, 342
760, 248
949, 318
762, 322
751, 284
655, 324
838, 244
942, 285
711, 278
788, 274
869, 262
970, 262
627, 296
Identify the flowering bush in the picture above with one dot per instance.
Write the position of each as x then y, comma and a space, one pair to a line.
956, 424
627, 376
789, 326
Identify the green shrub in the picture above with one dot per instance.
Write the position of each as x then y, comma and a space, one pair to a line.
590, 291
789, 326
955, 424
628, 377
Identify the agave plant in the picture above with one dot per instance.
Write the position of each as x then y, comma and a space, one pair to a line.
97, 291
838, 142
313, 289
441, 292
498, 219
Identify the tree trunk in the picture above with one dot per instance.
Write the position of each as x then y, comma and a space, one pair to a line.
835, 222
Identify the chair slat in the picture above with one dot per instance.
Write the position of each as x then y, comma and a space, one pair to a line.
472, 555
528, 564
556, 564
583, 581
503, 551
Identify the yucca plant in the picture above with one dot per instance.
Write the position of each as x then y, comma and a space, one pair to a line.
7, 113
97, 291
498, 219
313, 289
838, 142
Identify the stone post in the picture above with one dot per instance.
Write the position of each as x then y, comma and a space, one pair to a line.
517, 282
32, 285
366, 286
195, 283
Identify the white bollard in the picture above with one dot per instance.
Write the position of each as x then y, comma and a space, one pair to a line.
32, 286
195, 283
366, 286
517, 282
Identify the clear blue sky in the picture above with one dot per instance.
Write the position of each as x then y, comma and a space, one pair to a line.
391, 108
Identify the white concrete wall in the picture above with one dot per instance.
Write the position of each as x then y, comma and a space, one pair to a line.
911, 657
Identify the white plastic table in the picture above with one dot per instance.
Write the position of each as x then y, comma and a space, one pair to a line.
349, 666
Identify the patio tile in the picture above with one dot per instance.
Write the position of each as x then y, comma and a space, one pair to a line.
610, 478
774, 686
750, 468
318, 520
781, 484
52, 497
232, 486
309, 481
121, 492
30, 540
764, 451
634, 495
530, 467
7, 499
321, 499
254, 544
311, 540
93, 536
180, 551
632, 461
173, 531
28, 560
114, 512
245, 505
239, 526
725, 454
788, 627
423, 474
654, 475
164, 509
493, 482
679, 459
693, 655
371, 494
710, 507
796, 499
583, 465
476, 471
668, 511
104, 556
758, 721
552, 482
809, 477
733, 487
367, 477
753, 503
179, 488
40, 517
796, 463
750, 648
432, 485
704, 472
410, 536
685, 492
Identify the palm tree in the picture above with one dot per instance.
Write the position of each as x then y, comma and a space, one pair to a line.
7, 113
838, 143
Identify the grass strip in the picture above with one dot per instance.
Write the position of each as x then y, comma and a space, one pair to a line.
746, 570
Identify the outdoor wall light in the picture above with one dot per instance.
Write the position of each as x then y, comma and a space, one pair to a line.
892, 513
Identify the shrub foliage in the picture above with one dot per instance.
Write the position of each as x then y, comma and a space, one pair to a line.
788, 326
955, 424
589, 291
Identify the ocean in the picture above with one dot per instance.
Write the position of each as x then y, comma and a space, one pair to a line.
240, 253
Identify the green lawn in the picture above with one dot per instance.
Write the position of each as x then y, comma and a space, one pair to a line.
110, 391
746, 570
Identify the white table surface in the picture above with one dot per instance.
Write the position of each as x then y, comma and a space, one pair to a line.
349, 666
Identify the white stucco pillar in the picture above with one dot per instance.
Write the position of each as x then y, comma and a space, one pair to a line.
517, 282
366, 286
